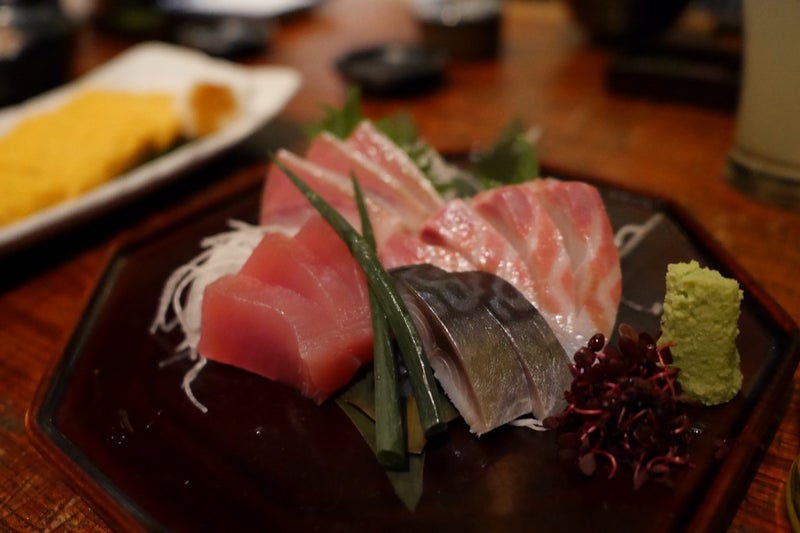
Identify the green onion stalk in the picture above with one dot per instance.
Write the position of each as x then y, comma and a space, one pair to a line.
423, 382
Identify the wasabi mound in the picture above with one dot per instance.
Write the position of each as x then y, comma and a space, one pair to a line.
701, 314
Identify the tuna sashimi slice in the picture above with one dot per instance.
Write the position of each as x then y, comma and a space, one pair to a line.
288, 262
278, 260
328, 250
383, 151
329, 152
276, 333
580, 215
457, 226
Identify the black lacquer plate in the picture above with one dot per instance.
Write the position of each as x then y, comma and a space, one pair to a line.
263, 458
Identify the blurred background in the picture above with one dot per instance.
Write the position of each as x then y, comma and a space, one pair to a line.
687, 50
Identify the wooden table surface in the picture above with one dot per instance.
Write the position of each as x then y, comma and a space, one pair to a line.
545, 75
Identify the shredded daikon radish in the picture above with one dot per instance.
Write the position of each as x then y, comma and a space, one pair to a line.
182, 296
530, 423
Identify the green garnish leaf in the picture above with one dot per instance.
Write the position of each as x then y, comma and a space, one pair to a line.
400, 128
512, 159
408, 483
341, 121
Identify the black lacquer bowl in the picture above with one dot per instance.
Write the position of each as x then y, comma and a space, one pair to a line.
264, 458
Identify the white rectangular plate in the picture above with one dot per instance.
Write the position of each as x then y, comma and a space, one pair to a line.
240, 8
262, 91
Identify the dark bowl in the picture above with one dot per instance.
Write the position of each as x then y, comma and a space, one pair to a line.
625, 21
394, 69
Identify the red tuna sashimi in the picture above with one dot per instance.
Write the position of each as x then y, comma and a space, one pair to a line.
384, 152
288, 262
402, 250
579, 212
324, 244
283, 204
521, 219
329, 152
276, 333
269, 261
457, 226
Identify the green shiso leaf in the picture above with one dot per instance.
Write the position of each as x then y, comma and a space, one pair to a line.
340, 121
408, 483
512, 159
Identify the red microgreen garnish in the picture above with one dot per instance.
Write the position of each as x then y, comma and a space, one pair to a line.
623, 409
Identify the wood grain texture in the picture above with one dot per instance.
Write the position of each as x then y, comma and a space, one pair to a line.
546, 75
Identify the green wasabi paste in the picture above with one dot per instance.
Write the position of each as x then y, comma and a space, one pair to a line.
700, 319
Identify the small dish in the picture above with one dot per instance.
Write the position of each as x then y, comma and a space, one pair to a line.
261, 92
394, 69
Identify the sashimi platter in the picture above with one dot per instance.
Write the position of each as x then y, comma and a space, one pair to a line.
379, 338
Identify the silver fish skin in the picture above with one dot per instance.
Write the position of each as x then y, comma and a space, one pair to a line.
493, 353
539, 352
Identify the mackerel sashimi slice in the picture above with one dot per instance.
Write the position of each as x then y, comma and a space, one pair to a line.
494, 355
292, 314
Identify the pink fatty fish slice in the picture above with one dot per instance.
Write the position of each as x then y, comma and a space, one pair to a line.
401, 249
516, 213
580, 215
329, 152
283, 205
457, 226
384, 152
276, 333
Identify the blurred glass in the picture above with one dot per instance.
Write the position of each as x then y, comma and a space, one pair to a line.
464, 29
765, 158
